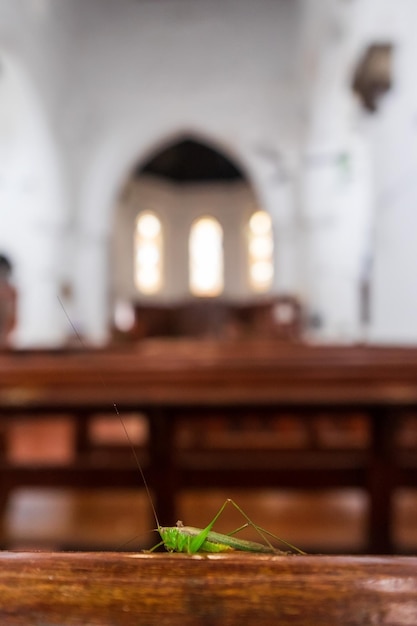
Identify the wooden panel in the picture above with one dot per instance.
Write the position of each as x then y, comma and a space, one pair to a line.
176, 590
210, 373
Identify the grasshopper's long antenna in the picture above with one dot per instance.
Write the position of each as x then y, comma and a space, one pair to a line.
128, 437
135, 456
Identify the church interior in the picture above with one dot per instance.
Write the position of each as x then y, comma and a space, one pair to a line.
208, 209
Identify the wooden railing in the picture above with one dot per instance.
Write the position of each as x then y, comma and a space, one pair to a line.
108, 589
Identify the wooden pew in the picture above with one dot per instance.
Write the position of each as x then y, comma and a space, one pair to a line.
168, 380
156, 590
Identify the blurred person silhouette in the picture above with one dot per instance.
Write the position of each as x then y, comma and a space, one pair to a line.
8, 299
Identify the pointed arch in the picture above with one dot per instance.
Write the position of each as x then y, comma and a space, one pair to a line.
222, 148
199, 191
190, 161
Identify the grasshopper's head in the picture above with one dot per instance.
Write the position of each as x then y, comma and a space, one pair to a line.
174, 540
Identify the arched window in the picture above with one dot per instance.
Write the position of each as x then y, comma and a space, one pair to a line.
206, 257
260, 248
148, 253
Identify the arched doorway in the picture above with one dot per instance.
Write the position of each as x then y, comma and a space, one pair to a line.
183, 245
188, 160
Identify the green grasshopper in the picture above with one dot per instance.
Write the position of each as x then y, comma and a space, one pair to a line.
192, 540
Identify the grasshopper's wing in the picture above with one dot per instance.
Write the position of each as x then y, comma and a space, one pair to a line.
230, 542
199, 539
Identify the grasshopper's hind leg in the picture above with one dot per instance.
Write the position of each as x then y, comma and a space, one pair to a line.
261, 531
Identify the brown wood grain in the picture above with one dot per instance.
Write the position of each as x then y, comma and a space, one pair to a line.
81, 589
188, 373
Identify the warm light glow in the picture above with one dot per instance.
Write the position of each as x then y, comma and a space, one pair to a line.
260, 223
148, 226
148, 279
206, 257
148, 253
261, 272
260, 249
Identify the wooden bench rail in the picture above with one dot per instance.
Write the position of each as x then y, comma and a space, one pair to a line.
109, 589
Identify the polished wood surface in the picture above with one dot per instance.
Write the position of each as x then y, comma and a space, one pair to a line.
210, 373
178, 590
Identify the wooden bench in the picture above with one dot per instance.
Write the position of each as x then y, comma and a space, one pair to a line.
169, 380
234, 589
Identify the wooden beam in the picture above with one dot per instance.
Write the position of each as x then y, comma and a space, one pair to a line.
178, 590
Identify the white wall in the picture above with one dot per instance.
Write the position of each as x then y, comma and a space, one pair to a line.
221, 70
137, 73
337, 227
102, 83
393, 137
32, 207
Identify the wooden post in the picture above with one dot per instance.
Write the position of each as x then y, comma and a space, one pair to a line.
381, 480
164, 480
